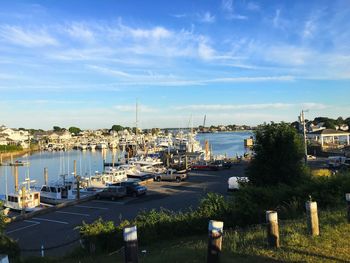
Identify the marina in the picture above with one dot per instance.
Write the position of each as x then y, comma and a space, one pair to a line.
89, 161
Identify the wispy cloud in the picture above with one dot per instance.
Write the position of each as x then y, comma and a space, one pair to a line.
252, 6
266, 106
228, 8
227, 5
132, 108
27, 37
108, 71
206, 17
276, 19
79, 31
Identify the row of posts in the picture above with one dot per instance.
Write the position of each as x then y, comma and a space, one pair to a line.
215, 233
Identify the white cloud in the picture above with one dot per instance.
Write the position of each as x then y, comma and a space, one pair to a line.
155, 33
205, 51
223, 107
276, 19
80, 31
227, 5
25, 37
251, 79
228, 8
252, 6
132, 108
252, 107
207, 18
108, 71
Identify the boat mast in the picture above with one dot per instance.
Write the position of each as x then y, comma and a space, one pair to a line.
137, 106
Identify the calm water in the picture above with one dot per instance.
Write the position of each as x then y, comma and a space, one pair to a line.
230, 143
90, 161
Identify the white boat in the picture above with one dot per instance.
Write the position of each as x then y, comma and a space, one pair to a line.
110, 176
26, 198
101, 145
57, 192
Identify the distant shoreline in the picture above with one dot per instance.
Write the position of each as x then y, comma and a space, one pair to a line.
6, 156
226, 131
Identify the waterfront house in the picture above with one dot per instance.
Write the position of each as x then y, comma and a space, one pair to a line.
329, 138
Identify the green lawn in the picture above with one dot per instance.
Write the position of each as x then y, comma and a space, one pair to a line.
249, 245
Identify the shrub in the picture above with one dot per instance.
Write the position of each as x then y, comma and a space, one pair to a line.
279, 152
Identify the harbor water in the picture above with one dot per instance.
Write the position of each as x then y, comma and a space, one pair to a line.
88, 162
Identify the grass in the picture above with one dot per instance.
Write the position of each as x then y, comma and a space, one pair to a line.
248, 245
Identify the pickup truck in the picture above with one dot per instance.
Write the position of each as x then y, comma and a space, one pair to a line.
170, 175
133, 187
112, 192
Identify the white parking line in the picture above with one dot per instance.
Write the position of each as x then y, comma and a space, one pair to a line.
71, 213
49, 220
92, 207
21, 228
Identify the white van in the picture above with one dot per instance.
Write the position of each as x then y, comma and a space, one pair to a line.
235, 181
336, 161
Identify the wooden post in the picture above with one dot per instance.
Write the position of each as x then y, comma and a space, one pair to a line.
16, 178
312, 218
0, 159
131, 245
11, 159
46, 176
214, 241
23, 201
273, 236
347, 197
78, 187
75, 168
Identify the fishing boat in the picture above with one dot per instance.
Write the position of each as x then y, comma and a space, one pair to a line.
24, 199
57, 192
111, 175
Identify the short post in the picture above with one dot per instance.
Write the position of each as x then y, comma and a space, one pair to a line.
312, 218
347, 197
46, 176
214, 241
42, 251
273, 236
78, 187
130, 244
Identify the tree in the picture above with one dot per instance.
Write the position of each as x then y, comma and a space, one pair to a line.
74, 130
117, 128
57, 129
279, 152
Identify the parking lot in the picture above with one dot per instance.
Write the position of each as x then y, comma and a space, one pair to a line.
57, 232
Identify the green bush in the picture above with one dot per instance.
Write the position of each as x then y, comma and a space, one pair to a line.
246, 207
9, 247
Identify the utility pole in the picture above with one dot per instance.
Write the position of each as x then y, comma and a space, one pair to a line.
302, 120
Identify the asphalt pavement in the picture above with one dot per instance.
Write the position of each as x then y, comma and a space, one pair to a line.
56, 231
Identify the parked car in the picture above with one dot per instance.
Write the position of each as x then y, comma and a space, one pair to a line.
170, 175
335, 162
133, 187
235, 182
112, 192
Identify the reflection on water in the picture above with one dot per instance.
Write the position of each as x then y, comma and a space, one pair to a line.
58, 163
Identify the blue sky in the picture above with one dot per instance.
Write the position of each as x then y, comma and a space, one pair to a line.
85, 63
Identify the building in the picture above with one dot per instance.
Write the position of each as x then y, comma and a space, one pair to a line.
329, 138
